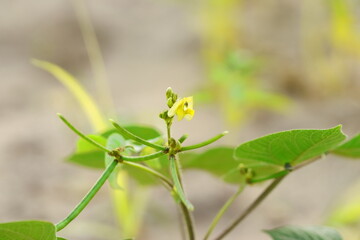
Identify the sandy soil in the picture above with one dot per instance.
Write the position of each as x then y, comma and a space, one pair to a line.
147, 46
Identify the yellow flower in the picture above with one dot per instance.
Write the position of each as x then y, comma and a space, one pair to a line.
182, 108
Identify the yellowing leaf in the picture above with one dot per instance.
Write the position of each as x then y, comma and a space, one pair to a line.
72, 84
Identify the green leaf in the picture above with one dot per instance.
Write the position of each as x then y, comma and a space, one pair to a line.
83, 146
59, 238
290, 147
87, 154
304, 233
218, 161
27, 230
144, 178
91, 159
269, 156
87, 103
350, 149
144, 132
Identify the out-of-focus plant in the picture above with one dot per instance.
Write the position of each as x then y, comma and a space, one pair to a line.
152, 158
346, 214
232, 73
332, 55
123, 201
331, 45
129, 205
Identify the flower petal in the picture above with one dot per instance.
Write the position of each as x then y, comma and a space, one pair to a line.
172, 111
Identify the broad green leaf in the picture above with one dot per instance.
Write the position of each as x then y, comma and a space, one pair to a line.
84, 146
290, 147
218, 161
349, 149
304, 233
140, 176
91, 159
72, 84
87, 154
27, 230
59, 238
144, 132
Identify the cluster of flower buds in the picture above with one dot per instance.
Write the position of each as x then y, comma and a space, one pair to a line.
171, 97
183, 108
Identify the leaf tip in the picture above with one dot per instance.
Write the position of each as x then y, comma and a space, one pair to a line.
38, 63
112, 121
61, 117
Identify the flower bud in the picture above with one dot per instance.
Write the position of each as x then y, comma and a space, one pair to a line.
170, 102
169, 92
163, 115
174, 97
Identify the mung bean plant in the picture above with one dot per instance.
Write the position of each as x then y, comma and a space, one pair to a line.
151, 158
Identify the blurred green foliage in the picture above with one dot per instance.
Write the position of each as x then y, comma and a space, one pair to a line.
233, 74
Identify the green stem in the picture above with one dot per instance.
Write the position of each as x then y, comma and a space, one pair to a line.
168, 130
128, 134
151, 171
275, 175
188, 221
186, 213
183, 138
143, 158
207, 142
223, 210
80, 134
89, 196
253, 206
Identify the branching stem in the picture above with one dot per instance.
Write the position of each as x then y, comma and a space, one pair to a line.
254, 205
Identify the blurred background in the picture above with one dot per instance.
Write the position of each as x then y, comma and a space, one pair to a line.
253, 67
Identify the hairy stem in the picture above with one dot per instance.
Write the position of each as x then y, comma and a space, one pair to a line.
89, 196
